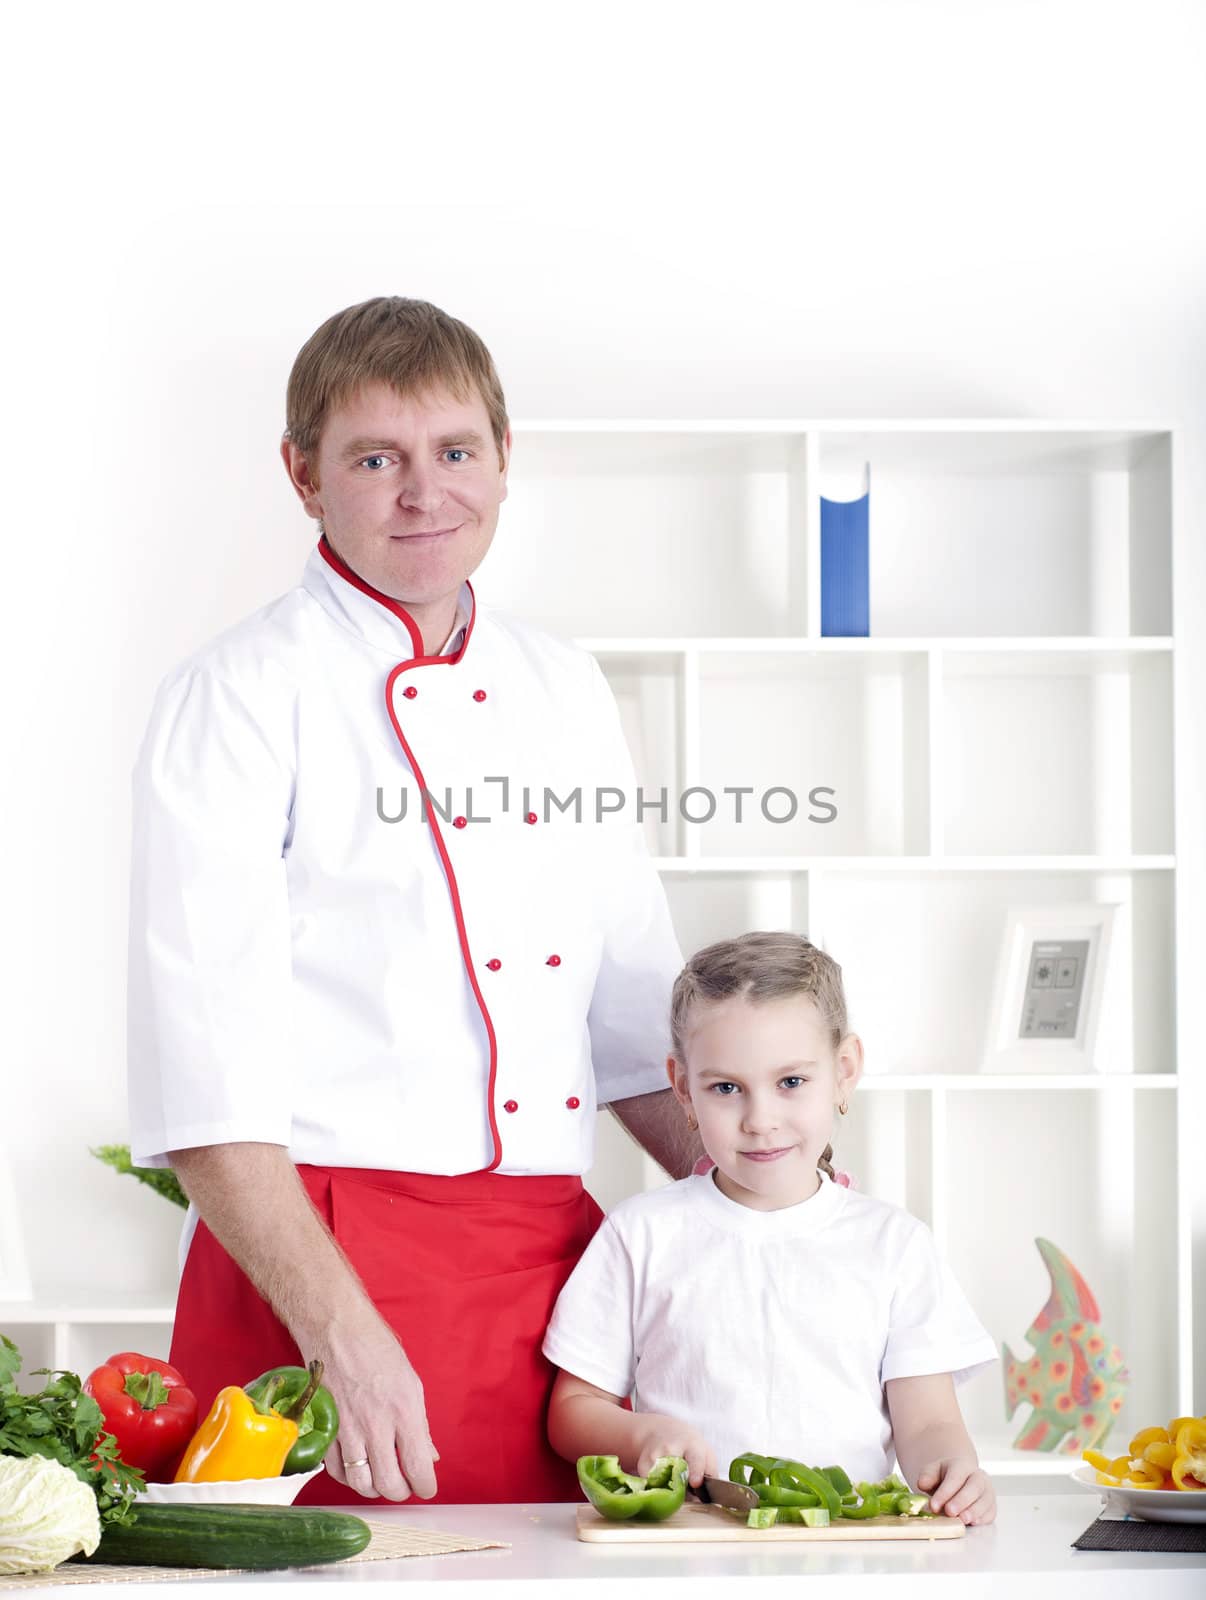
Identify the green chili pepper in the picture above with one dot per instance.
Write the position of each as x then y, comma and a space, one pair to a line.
623, 1497
318, 1421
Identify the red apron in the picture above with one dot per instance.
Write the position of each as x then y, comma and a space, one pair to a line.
465, 1270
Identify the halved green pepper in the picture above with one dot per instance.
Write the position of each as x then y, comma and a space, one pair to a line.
623, 1497
297, 1392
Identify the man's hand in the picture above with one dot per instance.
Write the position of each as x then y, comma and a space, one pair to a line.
958, 1487
251, 1198
382, 1414
656, 1436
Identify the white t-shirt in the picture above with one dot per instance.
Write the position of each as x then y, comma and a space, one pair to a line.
770, 1331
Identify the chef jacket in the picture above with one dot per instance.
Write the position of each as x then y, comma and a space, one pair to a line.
320, 959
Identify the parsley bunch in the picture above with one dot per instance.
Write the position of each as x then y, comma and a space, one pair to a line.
66, 1425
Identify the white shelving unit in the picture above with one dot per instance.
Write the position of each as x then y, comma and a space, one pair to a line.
1006, 736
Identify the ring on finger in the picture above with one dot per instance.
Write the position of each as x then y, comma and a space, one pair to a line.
363, 1462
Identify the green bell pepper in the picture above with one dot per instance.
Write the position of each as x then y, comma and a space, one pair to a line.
869, 1505
297, 1392
623, 1497
788, 1483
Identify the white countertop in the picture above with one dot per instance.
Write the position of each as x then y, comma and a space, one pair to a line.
1024, 1555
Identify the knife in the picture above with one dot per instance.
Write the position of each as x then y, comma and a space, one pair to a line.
719, 1491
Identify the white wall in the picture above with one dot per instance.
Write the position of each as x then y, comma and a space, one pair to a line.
852, 210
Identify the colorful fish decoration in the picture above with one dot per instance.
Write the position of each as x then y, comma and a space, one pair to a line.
1076, 1377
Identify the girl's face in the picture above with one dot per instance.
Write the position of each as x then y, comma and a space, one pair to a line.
764, 1081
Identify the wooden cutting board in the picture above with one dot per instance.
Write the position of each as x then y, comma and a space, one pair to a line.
699, 1522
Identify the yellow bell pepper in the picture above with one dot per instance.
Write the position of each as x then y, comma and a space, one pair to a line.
1149, 1436
1096, 1459
1143, 1475
1189, 1464
238, 1439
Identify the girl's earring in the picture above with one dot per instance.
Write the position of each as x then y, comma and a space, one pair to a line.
691, 1122
843, 1108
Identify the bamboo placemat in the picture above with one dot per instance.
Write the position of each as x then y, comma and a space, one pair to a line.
390, 1542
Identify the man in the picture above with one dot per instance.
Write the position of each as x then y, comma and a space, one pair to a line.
378, 983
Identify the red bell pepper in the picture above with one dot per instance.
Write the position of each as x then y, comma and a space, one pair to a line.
148, 1408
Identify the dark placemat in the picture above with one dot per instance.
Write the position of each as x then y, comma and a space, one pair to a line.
1131, 1533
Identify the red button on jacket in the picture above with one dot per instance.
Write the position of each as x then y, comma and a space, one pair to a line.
494, 963
553, 961
410, 691
511, 1105
573, 1102
479, 695
459, 822
531, 817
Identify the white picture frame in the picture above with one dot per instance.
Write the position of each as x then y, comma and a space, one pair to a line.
1052, 975
15, 1283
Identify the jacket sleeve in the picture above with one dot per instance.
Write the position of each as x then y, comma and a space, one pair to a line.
209, 946
629, 1017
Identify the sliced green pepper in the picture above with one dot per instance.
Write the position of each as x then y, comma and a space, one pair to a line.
795, 1475
869, 1505
838, 1479
763, 1517
623, 1497
297, 1392
752, 1470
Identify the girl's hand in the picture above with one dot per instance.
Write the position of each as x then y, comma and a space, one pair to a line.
959, 1488
663, 1436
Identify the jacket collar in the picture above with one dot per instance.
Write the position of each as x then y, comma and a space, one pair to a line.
377, 618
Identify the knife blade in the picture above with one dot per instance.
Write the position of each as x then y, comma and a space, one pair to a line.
719, 1491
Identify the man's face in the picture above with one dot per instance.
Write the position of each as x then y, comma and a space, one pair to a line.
408, 489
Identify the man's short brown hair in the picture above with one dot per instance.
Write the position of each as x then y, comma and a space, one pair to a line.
411, 345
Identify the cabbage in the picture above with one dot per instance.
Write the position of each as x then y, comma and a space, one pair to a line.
46, 1514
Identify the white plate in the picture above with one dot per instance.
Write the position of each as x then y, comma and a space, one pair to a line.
235, 1492
1153, 1505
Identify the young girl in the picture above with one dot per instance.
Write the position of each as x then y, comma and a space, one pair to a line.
762, 1306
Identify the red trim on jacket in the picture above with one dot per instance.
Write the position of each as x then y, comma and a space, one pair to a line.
462, 934
420, 660
337, 564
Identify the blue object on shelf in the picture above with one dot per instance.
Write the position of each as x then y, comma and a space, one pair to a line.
845, 567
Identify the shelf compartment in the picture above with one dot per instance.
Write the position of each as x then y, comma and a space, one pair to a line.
649, 693
698, 531
885, 1143
856, 725
1030, 532
1100, 1186
919, 959
1060, 754
706, 907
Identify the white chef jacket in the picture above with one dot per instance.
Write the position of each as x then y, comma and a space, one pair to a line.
444, 994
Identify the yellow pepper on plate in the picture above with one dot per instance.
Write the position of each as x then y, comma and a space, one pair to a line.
1159, 1458
1189, 1464
240, 1438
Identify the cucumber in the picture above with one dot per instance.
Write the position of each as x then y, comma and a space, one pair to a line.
255, 1537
